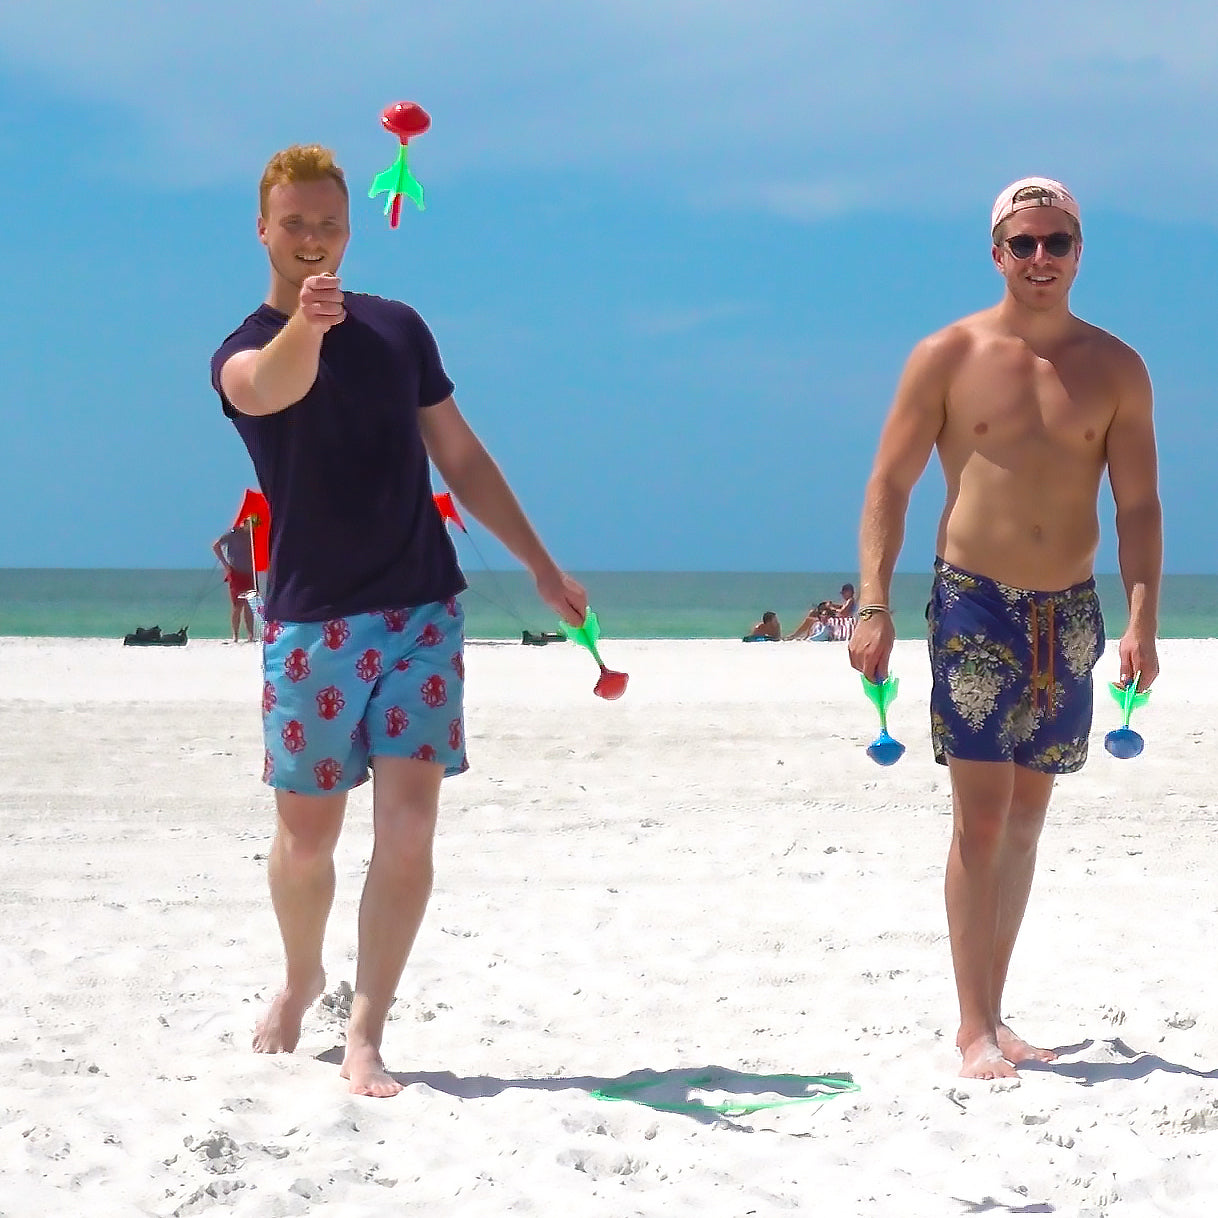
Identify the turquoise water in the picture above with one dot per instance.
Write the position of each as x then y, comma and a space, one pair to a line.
500, 604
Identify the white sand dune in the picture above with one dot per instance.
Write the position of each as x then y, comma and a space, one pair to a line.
708, 874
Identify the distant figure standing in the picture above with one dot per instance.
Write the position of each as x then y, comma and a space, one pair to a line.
1028, 407
234, 551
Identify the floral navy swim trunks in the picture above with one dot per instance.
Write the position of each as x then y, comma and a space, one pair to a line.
337, 693
1012, 671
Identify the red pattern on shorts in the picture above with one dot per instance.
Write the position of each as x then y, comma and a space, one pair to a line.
433, 691
330, 702
368, 666
327, 772
335, 633
396, 721
296, 667
396, 620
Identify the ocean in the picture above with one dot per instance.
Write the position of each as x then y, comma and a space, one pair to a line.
502, 604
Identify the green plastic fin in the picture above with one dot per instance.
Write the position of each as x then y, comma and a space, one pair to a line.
586, 635
386, 180
1127, 696
883, 694
408, 184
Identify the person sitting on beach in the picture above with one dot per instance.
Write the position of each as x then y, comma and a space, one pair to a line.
848, 606
845, 614
816, 626
1028, 406
233, 549
765, 631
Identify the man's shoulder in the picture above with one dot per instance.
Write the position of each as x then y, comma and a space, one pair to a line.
1108, 345
949, 345
368, 305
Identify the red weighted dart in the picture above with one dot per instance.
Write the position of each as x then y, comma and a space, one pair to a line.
405, 120
610, 685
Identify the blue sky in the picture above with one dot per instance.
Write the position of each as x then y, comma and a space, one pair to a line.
674, 253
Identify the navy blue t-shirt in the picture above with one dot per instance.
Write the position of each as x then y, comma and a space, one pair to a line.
354, 527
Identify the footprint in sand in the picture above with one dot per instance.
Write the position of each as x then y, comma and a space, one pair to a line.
217, 1151
600, 1165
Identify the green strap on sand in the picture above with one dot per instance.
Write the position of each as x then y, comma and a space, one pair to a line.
829, 1086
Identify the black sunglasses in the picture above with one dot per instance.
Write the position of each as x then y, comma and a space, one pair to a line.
1023, 245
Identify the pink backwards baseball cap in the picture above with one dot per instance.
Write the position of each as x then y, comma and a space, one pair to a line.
1032, 192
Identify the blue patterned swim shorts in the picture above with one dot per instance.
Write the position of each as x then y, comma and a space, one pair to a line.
386, 684
1012, 671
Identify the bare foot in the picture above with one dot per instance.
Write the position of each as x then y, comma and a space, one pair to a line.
983, 1059
279, 1029
364, 1070
1015, 1049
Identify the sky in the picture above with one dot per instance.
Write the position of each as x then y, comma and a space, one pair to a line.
675, 252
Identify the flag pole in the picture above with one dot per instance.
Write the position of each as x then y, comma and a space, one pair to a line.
249, 524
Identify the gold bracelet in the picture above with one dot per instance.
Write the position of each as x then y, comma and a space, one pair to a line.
866, 611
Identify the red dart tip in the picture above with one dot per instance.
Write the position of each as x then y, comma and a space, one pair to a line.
611, 685
405, 120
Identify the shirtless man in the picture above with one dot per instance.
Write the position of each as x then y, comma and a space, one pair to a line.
1027, 406
767, 629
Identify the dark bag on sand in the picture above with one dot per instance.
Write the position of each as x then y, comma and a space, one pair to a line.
151, 636
531, 639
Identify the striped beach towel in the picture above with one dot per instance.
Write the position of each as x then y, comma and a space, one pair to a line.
843, 628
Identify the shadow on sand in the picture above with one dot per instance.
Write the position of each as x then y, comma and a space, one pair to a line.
987, 1205
1124, 1064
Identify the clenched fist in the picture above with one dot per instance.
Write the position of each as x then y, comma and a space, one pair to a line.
321, 301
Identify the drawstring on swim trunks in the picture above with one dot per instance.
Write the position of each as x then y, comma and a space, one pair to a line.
1042, 681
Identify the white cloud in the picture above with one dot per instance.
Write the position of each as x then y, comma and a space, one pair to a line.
798, 106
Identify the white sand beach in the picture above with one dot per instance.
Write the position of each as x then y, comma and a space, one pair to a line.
707, 875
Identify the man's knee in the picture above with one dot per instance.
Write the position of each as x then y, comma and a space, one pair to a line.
980, 832
309, 826
404, 837
1024, 825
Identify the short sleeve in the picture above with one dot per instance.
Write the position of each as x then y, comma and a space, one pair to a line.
434, 383
247, 337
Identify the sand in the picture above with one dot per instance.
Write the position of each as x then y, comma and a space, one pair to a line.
707, 876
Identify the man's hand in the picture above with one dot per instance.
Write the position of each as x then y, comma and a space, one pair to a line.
321, 301
1139, 654
564, 595
871, 646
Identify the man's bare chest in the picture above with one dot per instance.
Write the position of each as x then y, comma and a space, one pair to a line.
1018, 399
